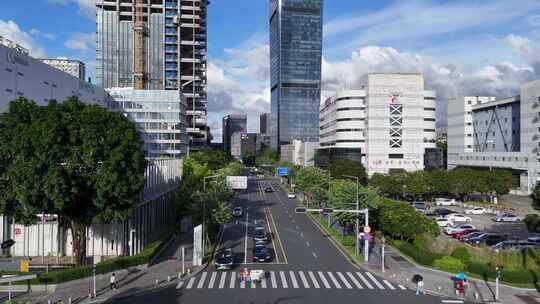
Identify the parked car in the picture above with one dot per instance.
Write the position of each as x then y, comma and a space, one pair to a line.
459, 234
507, 217
261, 254
470, 235
487, 239
445, 202
237, 211
420, 206
457, 228
441, 212
512, 244
442, 222
458, 218
260, 236
534, 239
291, 195
224, 259
476, 211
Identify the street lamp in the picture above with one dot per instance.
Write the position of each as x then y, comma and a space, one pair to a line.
357, 206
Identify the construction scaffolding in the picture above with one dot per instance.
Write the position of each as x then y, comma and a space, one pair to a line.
139, 52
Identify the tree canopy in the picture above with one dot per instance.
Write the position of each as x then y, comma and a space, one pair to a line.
340, 167
79, 161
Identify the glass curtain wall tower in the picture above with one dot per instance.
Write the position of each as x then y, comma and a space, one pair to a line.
295, 68
175, 43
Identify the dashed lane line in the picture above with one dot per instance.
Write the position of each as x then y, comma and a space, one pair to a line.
314, 255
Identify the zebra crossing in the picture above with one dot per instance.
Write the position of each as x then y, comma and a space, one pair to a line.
291, 280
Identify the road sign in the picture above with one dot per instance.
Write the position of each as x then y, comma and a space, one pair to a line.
282, 171
25, 266
367, 229
17, 231
237, 182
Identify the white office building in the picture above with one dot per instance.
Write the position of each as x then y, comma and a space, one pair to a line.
484, 132
391, 120
299, 153
74, 68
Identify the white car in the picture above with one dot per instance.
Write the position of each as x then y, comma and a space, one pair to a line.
442, 222
507, 217
291, 195
458, 218
445, 202
458, 228
476, 211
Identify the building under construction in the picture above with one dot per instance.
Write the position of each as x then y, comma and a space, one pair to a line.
157, 45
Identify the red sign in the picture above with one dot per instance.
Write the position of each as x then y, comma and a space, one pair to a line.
17, 231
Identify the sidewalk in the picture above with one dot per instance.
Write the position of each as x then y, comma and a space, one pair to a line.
400, 270
130, 281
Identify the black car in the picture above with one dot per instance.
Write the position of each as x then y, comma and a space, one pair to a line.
268, 189
224, 259
260, 236
441, 212
487, 239
261, 254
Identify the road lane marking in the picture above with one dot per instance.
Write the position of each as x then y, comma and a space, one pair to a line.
313, 279
344, 280
314, 254
263, 283
201, 281
297, 228
402, 287
301, 234
354, 280
180, 284
246, 238
279, 238
307, 243
273, 279
366, 282
388, 284
190, 283
283, 280
243, 284
336, 283
374, 280
233, 280
452, 301
266, 211
293, 279
212, 280
323, 279
222, 280
304, 280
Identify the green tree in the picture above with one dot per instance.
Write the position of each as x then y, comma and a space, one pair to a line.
267, 157
340, 167
314, 183
79, 161
389, 185
462, 182
438, 183
417, 184
501, 181
399, 220
214, 159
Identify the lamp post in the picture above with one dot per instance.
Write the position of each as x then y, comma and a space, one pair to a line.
357, 207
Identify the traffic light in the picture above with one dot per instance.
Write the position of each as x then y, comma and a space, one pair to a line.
327, 210
300, 210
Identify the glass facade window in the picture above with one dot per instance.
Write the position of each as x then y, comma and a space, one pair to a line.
295, 66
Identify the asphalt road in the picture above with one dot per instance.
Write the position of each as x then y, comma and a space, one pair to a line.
307, 267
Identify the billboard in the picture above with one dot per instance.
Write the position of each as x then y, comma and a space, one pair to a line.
197, 246
237, 182
282, 171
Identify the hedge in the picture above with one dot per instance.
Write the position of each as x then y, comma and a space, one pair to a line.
462, 254
449, 264
420, 255
79, 272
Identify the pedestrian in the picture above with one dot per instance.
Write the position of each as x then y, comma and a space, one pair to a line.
112, 281
245, 275
420, 287
460, 288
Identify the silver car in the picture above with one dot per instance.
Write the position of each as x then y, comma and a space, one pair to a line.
507, 217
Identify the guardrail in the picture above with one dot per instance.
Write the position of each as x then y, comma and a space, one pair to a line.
15, 278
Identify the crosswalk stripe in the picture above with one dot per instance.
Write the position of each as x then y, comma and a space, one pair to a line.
333, 280
293, 279
379, 285
303, 278
313, 279
323, 279
222, 280
233, 280
201, 281
369, 286
190, 283
273, 279
283, 280
180, 284
242, 284
388, 284
342, 277
402, 287
212, 280
263, 283
354, 280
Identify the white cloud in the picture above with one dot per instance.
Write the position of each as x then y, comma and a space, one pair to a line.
87, 8
10, 30
81, 41
38, 33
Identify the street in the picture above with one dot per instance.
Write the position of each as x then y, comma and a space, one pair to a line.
306, 267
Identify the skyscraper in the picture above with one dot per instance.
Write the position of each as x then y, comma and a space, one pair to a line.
230, 124
263, 123
295, 68
173, 43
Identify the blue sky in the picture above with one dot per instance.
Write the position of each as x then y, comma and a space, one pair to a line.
463, 47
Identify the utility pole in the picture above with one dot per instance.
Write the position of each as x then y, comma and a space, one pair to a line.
497, 283
383, 241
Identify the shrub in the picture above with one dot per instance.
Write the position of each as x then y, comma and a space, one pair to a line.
449, 264
420, 255
349, 241
462, 254
482, 269
420, 242
520, 276
533, 222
